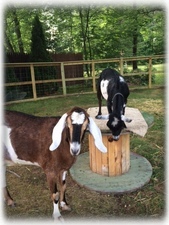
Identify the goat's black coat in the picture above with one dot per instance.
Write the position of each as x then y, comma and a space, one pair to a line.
114, 86
118, 92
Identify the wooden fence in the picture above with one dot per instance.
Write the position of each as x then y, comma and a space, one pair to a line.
95, 67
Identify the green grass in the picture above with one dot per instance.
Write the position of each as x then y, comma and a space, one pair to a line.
31, 190
57, 106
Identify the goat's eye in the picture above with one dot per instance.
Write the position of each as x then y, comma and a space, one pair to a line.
84, 125
68, 125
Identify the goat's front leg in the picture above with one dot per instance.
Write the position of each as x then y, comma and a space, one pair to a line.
104, 117
62, 183
99, 96
55, 197
125, 119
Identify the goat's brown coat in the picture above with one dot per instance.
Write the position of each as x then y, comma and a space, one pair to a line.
37, 150
31, 138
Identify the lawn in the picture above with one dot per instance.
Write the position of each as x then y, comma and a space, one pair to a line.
30, 191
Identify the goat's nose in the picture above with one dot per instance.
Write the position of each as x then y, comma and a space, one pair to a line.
116, 138
75, 148
74, 152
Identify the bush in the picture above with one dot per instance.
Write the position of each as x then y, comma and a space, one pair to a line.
142, 79
11, 92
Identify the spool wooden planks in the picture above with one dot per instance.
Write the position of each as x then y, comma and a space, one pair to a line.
116, 161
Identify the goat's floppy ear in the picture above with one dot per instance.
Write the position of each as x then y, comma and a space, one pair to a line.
95, 131
57, 132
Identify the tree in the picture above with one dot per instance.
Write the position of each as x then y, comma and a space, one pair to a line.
18, 31
39, 53
18, 23
16, 34
84, 15
98, 32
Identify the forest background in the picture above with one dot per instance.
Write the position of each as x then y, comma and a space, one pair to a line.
97, 32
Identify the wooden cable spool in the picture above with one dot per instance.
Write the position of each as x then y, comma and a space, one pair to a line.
117, 159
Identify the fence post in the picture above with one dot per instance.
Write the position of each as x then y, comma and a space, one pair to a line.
121, 65
33, 81
149, 72
63, 78
94, 78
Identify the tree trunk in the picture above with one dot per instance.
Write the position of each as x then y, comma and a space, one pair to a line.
135, 40
8, 44
18, 32
85, 35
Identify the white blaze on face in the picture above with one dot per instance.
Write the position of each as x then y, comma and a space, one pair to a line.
77, 118
115, 121
103, 87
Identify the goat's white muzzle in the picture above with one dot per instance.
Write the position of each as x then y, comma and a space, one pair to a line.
75, 148
116, 138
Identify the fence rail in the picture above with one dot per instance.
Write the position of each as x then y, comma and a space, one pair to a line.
94, 69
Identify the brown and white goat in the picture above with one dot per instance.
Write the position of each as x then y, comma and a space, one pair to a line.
53, 143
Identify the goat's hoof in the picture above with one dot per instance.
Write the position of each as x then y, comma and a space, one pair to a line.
98, 116
66, 208
59, 219
11, 203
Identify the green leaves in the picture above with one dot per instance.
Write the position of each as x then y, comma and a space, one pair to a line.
98, 32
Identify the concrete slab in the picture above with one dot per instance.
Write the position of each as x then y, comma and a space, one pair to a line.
138, 175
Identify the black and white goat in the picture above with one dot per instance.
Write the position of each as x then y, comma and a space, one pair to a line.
53, 143
112, 87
